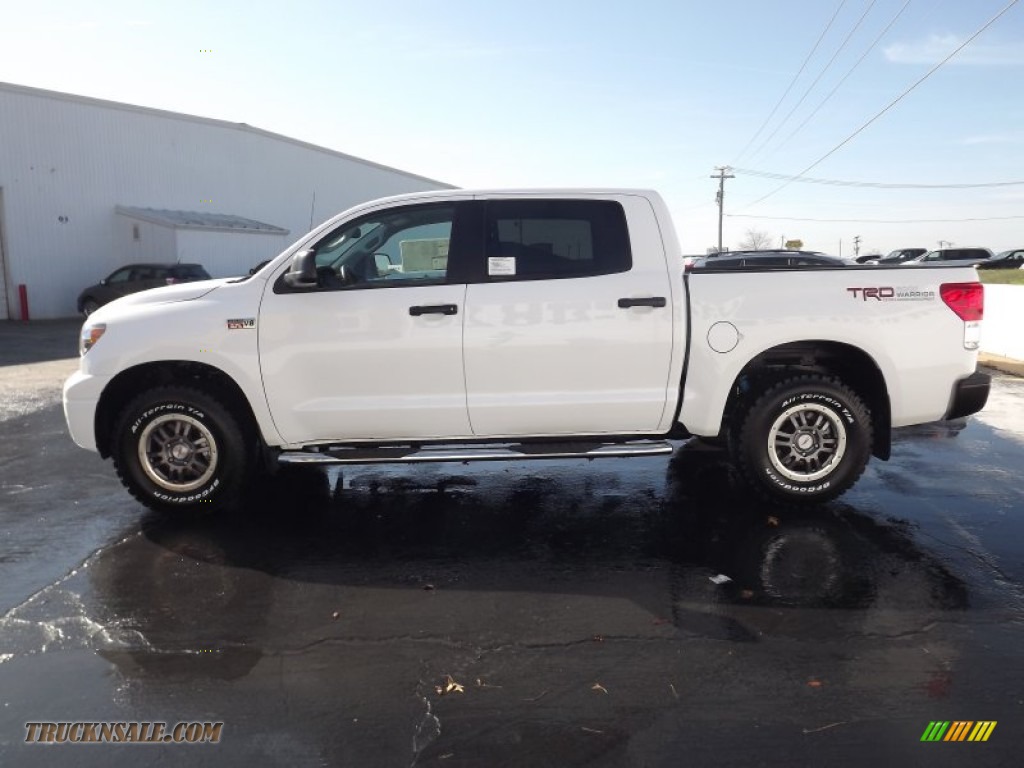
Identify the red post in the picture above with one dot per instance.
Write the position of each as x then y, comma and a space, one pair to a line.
23, 296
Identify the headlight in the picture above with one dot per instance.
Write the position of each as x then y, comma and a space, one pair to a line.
90, 335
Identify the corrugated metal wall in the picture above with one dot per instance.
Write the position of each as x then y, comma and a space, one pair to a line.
66, 162
229, 254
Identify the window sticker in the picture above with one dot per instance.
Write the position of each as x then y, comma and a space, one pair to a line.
501, 266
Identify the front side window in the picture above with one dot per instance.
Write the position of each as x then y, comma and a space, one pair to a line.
399, 246
532, 239
120, 276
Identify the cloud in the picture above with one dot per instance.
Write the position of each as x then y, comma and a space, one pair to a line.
995, 138
935, 48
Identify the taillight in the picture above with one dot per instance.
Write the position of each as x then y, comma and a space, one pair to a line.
966, 299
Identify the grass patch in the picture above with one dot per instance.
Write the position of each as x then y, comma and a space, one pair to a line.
1002, 276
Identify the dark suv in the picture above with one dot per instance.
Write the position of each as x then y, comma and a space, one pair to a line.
134, 278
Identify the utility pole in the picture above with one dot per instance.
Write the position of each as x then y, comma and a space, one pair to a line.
856, 246
720, 197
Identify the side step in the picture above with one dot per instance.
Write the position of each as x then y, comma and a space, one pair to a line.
477, 452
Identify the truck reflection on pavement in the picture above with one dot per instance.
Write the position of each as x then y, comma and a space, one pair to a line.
206, 596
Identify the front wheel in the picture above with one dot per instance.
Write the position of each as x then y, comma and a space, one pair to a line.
806, 440
178, 449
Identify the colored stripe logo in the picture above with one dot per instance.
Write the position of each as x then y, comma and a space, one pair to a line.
958, 730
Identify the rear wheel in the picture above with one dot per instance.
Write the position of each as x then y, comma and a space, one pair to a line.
179, 449
805, 440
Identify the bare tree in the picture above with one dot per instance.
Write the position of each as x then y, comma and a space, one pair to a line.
755, 240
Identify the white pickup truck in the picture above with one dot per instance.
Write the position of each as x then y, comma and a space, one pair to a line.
462, 325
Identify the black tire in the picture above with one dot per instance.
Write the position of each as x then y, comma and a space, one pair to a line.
179, 450
806, 440
89, 306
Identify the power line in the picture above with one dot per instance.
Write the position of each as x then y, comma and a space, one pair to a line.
792, 82
872, 184
891, 104
821, 74
849, 72
871, 221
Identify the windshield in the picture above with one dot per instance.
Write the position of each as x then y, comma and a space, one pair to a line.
332, 252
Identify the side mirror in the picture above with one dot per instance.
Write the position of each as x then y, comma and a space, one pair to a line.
302, 273
382, 263
103, 281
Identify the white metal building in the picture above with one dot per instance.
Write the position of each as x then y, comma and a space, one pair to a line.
87, 185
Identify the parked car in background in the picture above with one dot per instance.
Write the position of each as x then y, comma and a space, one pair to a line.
964, 257
1005, 260
767, 259
898, 256
134, 278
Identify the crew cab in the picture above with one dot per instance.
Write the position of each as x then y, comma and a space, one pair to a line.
486, 325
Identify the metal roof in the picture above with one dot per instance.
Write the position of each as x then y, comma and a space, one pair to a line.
245, 127
220, 222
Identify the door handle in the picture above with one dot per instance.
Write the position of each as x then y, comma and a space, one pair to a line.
434, 309
650, 301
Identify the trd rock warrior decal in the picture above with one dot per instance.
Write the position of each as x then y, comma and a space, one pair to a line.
890, 293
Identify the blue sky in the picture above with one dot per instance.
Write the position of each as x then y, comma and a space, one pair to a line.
593, 93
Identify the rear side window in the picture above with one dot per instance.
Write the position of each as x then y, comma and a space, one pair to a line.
534, 239
189, 272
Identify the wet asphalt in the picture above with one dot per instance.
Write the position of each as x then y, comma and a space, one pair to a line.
621, 612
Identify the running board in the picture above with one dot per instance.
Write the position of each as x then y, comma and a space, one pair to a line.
465, 453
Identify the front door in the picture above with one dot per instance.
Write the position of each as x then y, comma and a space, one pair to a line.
375, 351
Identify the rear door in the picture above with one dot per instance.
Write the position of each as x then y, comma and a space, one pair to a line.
150, 277
568, 327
